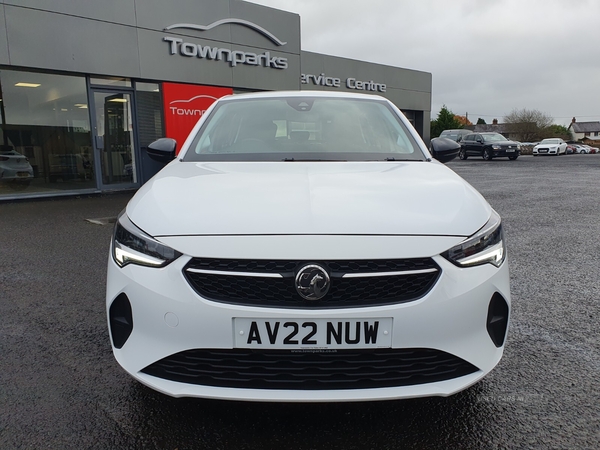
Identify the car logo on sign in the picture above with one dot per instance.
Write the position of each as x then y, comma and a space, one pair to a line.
312, 282
246, 23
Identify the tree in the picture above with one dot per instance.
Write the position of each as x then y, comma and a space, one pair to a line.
529, 124
464, 121
480, 121
445, 121
559, 131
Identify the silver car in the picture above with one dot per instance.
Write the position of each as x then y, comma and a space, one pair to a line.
14, 167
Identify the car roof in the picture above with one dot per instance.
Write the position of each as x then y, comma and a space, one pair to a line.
459, 130
313, 94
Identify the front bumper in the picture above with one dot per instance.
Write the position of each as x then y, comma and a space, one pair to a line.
169, 317
546, 151
20, 174
504, 153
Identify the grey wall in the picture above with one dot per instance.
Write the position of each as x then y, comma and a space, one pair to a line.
4, 59
125, 38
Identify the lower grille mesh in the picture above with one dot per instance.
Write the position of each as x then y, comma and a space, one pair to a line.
299, 370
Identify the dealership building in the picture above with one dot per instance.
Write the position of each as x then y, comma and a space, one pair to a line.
85, 86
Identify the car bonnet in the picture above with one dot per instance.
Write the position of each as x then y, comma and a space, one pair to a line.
336, 198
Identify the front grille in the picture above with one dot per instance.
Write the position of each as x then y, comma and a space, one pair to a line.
284, 369
354, 283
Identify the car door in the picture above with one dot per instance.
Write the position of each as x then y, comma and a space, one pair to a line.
467, 143
477, 145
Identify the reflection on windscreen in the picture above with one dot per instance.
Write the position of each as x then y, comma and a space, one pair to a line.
303, 128
493, 137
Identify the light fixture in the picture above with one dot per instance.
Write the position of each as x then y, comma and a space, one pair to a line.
118, 100
31, 85
81, 105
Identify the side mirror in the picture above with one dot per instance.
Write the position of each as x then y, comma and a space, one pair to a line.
162, 150
443, 149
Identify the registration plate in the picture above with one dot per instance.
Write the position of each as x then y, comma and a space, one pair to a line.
312, 333
510, 150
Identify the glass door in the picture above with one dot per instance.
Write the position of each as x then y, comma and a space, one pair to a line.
114, 140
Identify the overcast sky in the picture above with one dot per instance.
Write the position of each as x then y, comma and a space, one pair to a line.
486, 57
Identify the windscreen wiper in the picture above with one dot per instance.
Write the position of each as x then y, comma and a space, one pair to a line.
400, 159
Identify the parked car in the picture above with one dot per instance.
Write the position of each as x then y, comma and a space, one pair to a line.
488, 146
14, 167
576, 149
550, 146
455, 135
345, 266
589, 149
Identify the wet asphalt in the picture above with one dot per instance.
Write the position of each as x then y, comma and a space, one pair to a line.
61, 388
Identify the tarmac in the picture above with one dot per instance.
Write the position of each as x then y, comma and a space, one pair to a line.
60, 386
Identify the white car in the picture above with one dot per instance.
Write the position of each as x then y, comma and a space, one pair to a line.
550, 146
305, 246
15, 167
588, 149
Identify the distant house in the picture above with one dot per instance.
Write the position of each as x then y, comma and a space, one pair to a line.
512, 131
582, 131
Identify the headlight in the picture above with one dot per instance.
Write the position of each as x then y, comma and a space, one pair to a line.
496, 147
485, 246
132, 246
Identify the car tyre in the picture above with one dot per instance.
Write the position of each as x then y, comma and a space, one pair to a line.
512, 158
462, 154
487, 155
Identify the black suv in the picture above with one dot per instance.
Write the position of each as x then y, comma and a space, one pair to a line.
488, 146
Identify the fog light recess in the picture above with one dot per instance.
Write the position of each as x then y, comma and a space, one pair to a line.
497, 319
121, 320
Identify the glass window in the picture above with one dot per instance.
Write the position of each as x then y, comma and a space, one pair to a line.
111, 81
149, 112
45, 137
150, 122
298, 128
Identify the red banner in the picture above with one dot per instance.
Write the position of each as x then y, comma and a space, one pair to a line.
185, 104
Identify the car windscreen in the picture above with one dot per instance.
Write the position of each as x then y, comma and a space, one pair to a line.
493, 138
303, 128
453, 136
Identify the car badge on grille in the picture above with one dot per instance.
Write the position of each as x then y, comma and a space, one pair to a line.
312, 282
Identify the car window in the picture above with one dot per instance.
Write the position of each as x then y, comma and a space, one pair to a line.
303, 128
495, 137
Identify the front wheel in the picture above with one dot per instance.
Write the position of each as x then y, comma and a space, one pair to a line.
487, 155
462, 154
